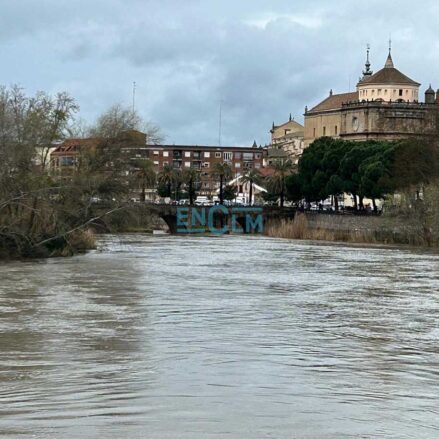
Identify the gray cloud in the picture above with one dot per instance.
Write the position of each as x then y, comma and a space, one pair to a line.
263, 59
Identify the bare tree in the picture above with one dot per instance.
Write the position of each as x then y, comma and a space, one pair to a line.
118, 119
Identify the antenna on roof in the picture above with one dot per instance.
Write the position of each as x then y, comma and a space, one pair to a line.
390, 44
134, 96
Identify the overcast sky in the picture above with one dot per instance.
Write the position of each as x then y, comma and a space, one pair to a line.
264, 59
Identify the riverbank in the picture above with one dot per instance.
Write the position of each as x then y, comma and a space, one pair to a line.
20, 247
394, 230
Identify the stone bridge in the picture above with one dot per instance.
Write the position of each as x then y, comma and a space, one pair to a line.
218, 218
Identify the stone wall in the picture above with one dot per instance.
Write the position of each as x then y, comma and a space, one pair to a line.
368, 228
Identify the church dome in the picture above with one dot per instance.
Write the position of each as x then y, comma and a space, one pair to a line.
388, 84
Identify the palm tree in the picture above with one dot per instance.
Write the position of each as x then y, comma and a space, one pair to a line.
191, 177
223, 171
251, 176
146, 175
166, 177
281, 168
177, 180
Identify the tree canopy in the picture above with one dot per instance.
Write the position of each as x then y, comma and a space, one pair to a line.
373, 169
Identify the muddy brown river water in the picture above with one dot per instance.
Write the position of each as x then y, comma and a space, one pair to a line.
221, 337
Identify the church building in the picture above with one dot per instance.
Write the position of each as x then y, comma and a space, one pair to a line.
385, 106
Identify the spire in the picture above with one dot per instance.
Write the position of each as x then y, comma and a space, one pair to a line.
255, 145
389, 61
430, 95
290, 117
367, 71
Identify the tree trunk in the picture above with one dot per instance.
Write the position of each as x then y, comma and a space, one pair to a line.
221, 190
169, 189
355, 201
32, 216
142, 195
361, 203
336, 203
282, 198
251, 193
191, 193
375, 209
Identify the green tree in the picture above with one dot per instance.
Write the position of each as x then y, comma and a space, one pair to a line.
145, 175
230, 192
415, 162
350, 167
293, 186
277, 182
177, 181
166, 177
251, 176
223, 173
191, 178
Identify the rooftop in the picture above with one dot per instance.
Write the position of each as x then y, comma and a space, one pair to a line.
73, 145
388, 75
335, 102
203, 147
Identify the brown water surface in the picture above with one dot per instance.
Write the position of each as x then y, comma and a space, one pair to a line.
232, 337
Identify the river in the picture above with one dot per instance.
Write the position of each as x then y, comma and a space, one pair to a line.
220, 337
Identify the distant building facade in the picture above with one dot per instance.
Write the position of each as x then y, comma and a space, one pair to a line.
203, 160
65, 157
385, 106
289, 138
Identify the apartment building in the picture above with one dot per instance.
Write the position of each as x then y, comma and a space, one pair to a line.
203, 159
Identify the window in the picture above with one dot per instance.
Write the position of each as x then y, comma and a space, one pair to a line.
228, 156
257, 165
385, 92
156, 163
207, 155
237, 165
314, 132
237, 155
258, 155
187, 153
67, 161
248, 156
165, 163
165, 154
379, 91
218, 155
324, 131
156, 153
336, 130
400, 92
206, 164
187, 164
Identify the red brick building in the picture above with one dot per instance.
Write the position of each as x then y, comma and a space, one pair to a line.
65, 158
203, 159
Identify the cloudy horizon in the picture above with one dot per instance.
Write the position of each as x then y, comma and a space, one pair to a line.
263, 60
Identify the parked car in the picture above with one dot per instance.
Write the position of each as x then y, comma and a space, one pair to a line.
201, 201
